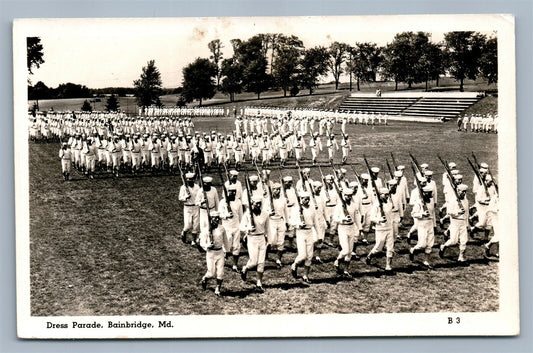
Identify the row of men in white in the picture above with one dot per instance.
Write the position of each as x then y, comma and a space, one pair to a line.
352, 116
183, 111
480, 123
103, 125
311, 211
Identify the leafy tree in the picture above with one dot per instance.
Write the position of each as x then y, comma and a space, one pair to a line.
232, 82
337, 52
34, 53
181, 102
215, 46
111, 104
251, 55
86, 107
198, 80
40, 91
72, 90
148, 86
431, 62
285, 68
464, 51
488, 63
364, 61
314, 64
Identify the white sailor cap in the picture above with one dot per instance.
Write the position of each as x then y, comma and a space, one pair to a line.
398, 173
383, 190
328, 177
452, 165
455, 171
64, 143
276, 186
424, 165
462, 187
306, 170
374, 170
347, 191
257, 198
317, 184
343, 171
189, 175
458, 176
233, 172
231, 187
392, 182
484, 165
214, 214
400, 167
254, 178
353, 184
427, 188
303, 194
484, 170
287, 178
207, 179
365, 176
428, 173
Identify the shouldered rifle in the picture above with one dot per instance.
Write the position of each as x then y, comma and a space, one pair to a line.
226, 170
225, 192
390, 170
249, 197
300, 208
325, 185
184, 183
393, 161
283, 185
336, 180
341, 198
206, 202
478, 175
358, 179
260, 179
492, 176
419, 187
304, 186
452, 182
376, 189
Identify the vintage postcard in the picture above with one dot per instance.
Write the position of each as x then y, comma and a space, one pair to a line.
266, 177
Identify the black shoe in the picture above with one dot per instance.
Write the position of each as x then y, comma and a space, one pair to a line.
338, 270
487, 252
294, 273
260, 288
204, 284
306, 280
347, 274
368, 260
441, 252
411, 256
243, 275
183, 238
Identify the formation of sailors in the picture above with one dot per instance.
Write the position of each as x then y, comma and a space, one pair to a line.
478, 123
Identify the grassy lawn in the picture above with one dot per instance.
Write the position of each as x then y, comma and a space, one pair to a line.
111, 246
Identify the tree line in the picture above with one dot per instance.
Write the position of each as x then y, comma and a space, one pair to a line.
279, 61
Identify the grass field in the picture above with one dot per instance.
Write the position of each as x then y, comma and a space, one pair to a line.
111, 246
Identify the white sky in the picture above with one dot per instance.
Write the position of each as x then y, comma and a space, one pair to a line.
111, 52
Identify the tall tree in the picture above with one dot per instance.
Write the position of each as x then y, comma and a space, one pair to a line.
148, 86
112, 104
488, 64
338, 52
34, 53
364, 61
431, 62
287, 60
314, 64
86, 107
198, 80
232, 78
251, 55
215, 46
464, 50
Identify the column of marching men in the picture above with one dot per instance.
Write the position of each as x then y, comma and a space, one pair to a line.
268, 213
117, 143
478, 123
207, 112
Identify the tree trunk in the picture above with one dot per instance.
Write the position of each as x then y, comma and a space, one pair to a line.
426, 84
437, 81
336, 83
461, 86
350, 81
395, 84
258, 95
409, 84
358, 88
200, 100
284, 91
310, 90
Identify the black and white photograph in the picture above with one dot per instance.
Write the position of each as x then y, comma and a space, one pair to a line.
266, 177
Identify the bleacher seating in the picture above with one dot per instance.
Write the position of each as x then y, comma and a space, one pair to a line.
413, 107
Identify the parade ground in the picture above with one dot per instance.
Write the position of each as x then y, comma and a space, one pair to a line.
111, 246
